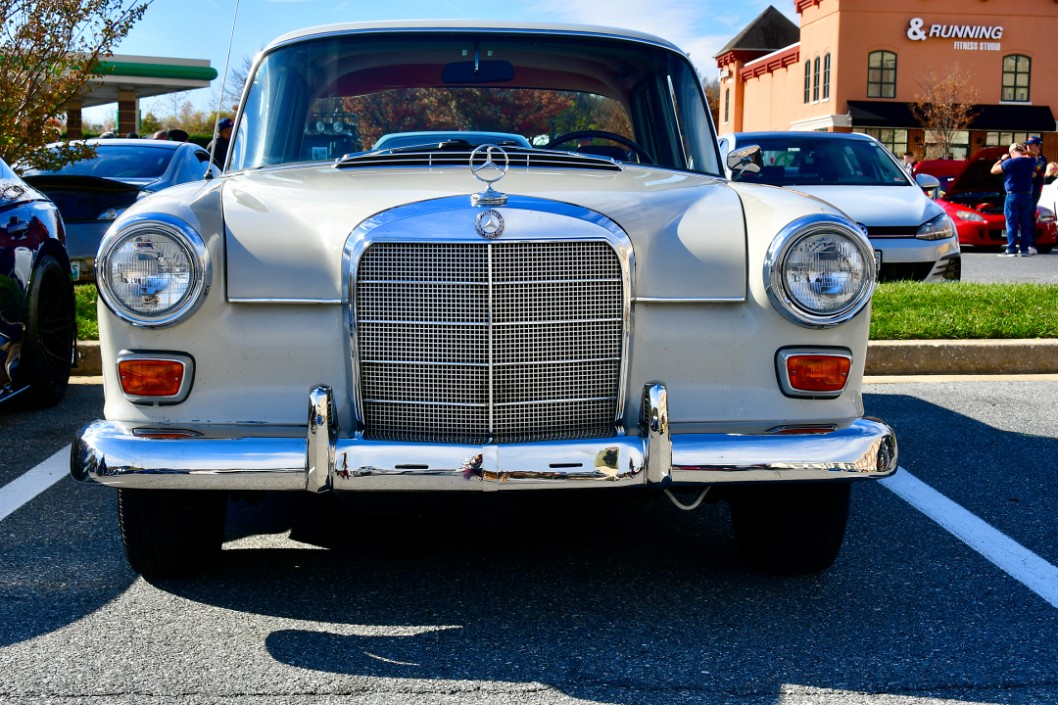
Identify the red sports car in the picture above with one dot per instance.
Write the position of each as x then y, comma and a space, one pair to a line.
974, 200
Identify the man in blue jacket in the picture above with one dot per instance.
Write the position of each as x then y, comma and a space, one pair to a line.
1017, 168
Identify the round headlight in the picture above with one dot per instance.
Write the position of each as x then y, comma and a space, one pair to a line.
819, 271
153, 270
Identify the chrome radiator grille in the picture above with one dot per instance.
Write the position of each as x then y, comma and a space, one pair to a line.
489, 342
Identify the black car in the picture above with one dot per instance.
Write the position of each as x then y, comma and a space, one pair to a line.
37, 320
92, 193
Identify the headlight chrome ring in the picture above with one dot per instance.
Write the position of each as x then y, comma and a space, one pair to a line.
153, 270
819, 271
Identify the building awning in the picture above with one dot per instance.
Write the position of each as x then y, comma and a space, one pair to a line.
1019, 118
1013, 118
879, 113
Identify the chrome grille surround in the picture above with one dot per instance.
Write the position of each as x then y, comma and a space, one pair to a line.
458, 339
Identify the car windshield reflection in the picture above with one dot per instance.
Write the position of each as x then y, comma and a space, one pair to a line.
824, 162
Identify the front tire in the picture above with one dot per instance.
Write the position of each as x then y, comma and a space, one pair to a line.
171, 533
47, 350
791, 529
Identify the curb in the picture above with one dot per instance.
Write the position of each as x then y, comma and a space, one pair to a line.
884, 357
962, 357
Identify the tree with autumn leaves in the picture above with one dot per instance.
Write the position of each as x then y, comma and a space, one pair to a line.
48, 51
946, 104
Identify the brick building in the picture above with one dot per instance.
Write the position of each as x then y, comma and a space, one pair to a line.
860, 65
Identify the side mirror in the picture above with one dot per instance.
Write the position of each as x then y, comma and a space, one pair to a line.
928, 183
747, 159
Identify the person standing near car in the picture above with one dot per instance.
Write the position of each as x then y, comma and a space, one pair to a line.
909, 164
1019, 209
1033, 144
219, 146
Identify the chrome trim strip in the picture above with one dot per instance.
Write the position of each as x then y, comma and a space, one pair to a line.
249, 300
706, 300
490, 335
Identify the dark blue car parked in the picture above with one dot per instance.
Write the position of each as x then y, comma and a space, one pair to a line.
37, 320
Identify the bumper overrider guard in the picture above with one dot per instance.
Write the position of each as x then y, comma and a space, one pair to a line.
234, 457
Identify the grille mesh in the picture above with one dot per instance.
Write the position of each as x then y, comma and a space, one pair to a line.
489, 342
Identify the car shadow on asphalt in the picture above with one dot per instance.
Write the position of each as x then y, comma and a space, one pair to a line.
622, 598
613, 597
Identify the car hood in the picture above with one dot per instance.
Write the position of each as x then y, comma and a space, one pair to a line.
286, 230
878, 206
976, 176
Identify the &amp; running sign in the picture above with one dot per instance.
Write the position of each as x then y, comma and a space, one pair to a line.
967, 37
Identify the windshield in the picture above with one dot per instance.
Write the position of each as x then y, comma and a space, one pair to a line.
791, 160
320, 99
118, 161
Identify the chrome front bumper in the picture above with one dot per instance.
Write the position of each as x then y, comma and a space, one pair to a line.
288, 458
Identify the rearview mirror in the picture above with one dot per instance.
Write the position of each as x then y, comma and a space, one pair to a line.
492, 71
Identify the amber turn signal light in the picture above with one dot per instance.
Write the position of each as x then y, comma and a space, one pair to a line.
818, 373
144, 377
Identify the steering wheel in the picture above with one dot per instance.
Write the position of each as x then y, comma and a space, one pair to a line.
640, 152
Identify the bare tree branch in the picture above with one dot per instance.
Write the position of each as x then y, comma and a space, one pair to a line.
945, 105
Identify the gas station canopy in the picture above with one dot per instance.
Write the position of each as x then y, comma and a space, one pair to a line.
125, 79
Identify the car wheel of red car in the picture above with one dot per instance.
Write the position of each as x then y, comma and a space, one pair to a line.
791, 529
1044, 249
47, 351
171, 533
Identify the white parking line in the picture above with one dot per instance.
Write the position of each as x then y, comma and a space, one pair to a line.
22, 489
1014, 559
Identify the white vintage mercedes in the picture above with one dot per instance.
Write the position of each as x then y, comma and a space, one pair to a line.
541, 279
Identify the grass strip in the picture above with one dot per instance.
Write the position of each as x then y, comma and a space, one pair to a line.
964, 310
85, 296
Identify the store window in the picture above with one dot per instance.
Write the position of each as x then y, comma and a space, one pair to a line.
808, 81
1004, 139
895, 140
815, 80
826, 77
727, 105
1016, 72
957, 146
881, 74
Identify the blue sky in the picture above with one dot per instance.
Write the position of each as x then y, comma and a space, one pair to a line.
199, 29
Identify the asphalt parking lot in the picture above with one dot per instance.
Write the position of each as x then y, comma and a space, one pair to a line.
985, 266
